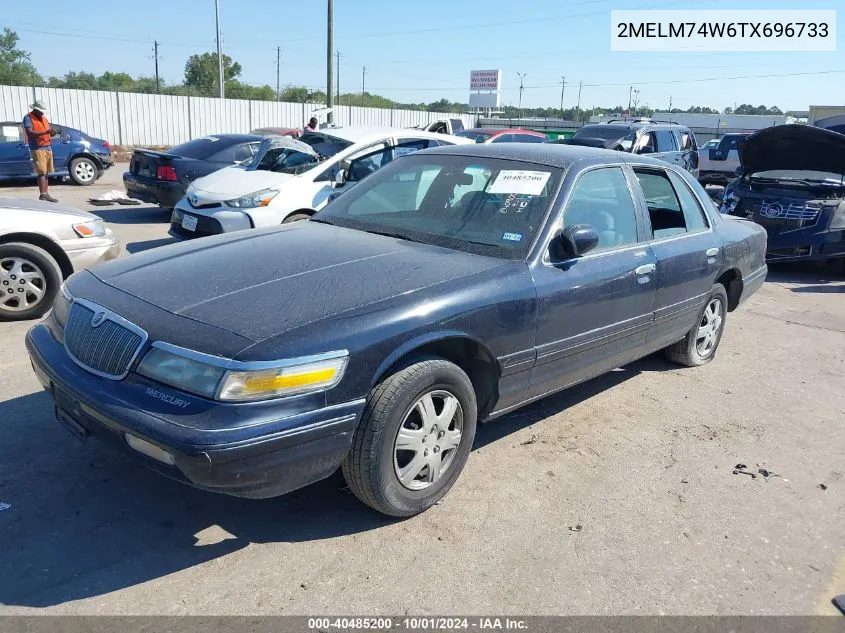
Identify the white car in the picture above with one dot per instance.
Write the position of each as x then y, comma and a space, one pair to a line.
290, 180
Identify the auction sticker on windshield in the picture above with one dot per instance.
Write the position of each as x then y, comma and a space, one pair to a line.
528, 183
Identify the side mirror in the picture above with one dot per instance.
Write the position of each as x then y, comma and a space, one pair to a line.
342, 174
576, 240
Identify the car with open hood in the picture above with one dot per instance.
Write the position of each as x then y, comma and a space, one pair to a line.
453, 285
792, 182
290, 179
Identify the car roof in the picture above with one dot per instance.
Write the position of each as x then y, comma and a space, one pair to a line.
501, 130
364, 134
638, 125
549, 154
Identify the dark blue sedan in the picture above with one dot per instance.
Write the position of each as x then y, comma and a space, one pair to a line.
75, 154
453, 285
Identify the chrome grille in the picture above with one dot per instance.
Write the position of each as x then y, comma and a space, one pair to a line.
107, 348
787, 210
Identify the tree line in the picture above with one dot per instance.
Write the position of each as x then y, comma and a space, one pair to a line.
201, 80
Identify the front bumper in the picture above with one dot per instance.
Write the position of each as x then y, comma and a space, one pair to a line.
90, 251
257, 455
209, 221
161, 192
819, 246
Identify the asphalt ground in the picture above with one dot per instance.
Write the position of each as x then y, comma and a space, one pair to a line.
615, 497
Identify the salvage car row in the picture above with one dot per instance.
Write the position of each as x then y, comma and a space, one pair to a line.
453, 283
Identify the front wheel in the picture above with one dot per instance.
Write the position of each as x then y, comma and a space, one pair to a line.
414, 438
698, 347
83, 171
296, 217
29, 281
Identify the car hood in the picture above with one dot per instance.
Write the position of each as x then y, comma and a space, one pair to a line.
21, 204
262, 283
793, 147
233, 182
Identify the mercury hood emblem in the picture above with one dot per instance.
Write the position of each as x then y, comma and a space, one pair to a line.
97, 319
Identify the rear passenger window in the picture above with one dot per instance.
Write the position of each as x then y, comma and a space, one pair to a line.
601, 198
668, 214
527, 138
666, 141
693, 213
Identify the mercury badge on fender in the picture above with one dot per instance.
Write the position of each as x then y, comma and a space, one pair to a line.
451, 286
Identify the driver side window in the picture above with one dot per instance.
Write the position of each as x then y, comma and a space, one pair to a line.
601, 199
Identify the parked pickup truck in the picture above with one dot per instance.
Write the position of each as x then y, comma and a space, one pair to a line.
453, 285
717, 166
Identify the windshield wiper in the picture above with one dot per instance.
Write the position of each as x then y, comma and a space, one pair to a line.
399, 236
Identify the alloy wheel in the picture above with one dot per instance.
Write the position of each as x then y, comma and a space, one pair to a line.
709, 328
22, 284
428, 440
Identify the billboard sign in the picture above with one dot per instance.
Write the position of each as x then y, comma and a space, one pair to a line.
485, 79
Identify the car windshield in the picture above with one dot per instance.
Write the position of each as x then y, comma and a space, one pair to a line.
478, 137
202, 148
486, 206
606, 132
286, 160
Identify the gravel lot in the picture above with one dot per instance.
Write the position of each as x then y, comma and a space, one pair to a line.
616, 497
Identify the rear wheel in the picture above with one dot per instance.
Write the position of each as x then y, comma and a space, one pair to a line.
83, 171
29, 281
698, 347
414, 438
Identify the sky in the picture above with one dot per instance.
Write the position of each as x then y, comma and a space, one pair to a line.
424, 51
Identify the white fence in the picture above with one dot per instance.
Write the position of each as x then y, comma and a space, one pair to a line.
125, 118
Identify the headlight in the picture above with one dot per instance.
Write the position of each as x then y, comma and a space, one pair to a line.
838, 219
240, 386
258, 199
729, 202
180, 371
61, 306
223, 379
94, 228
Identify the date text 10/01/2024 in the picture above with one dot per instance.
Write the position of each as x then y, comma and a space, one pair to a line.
416, 624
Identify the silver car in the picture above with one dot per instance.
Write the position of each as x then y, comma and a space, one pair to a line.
41, 244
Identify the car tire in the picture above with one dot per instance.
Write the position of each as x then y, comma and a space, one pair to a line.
83, 171
698, 347
296, 217
39, 268
411, 400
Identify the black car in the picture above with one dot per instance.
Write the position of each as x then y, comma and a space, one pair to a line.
792, 182
451, 286
671, 142
163, 177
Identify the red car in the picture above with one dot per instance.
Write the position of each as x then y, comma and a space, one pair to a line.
505, 135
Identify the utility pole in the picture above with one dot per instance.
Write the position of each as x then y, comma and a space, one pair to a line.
155, 53
363, 84
630, 94
562, 88
338, 77
636, 98
329, 60
670, 109
578, 107
278, 73
521, 88
219, 52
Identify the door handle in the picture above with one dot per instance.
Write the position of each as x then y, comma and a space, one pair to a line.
712, 252
645, 269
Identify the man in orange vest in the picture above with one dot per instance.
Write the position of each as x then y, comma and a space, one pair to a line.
38, 135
